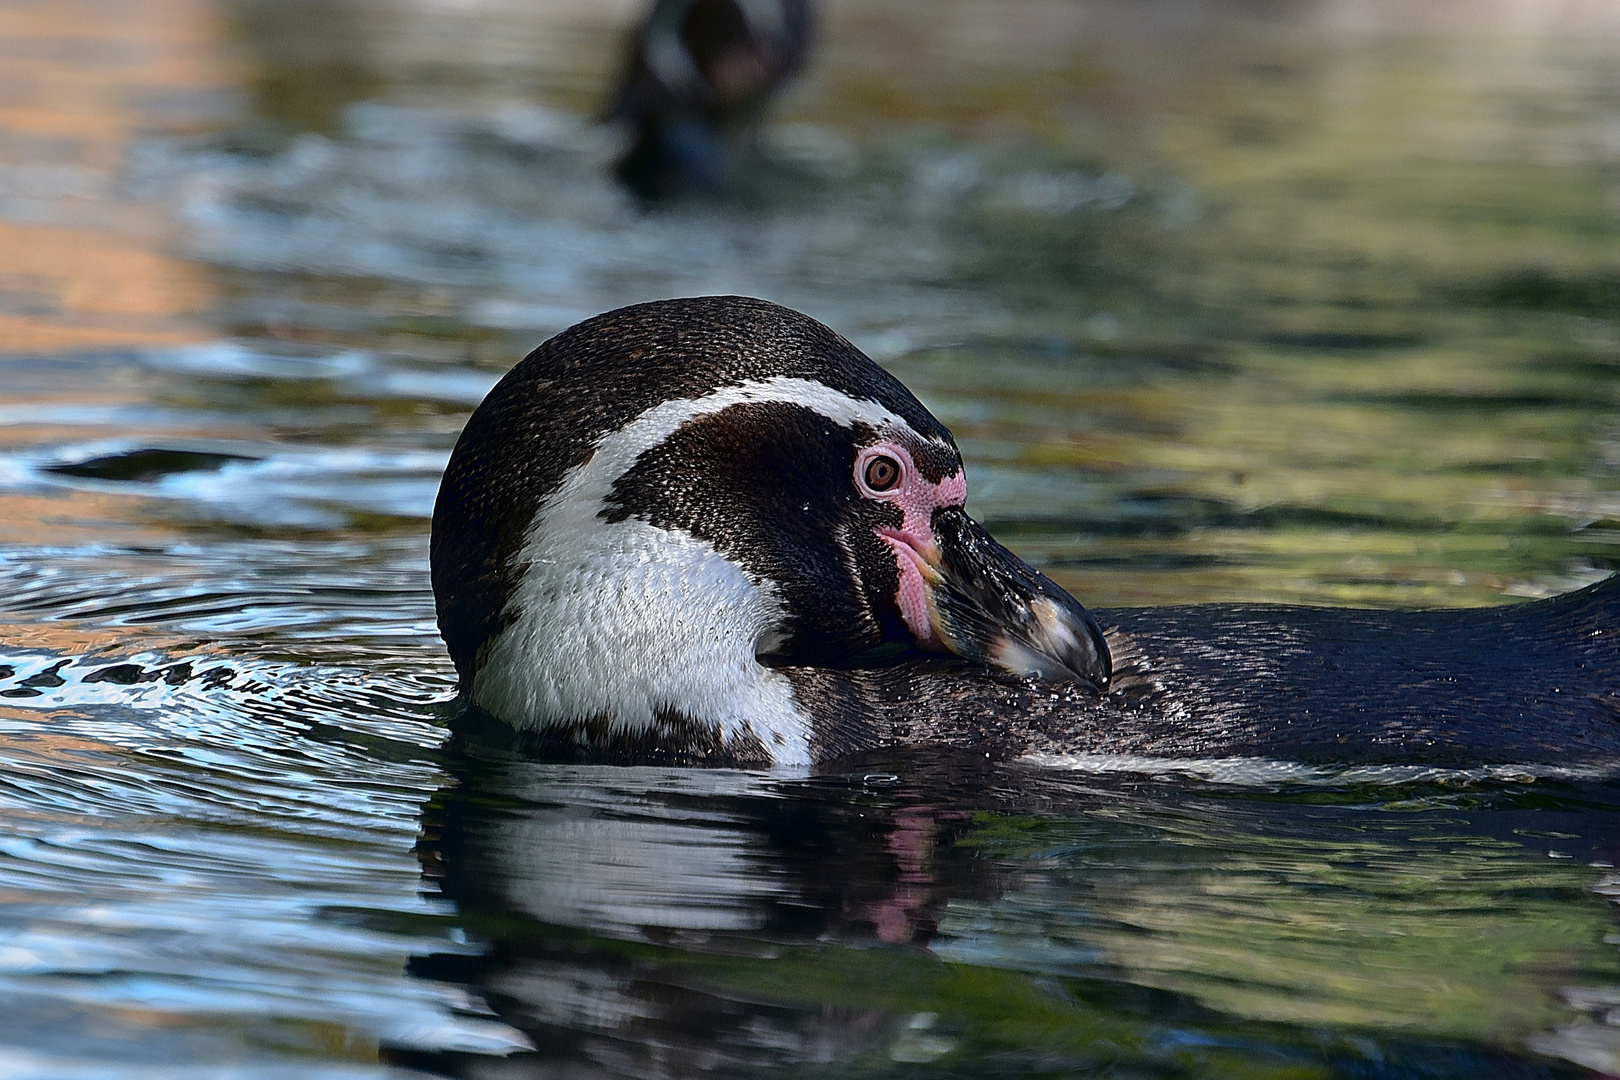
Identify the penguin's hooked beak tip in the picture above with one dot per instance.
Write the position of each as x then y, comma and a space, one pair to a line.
986, 604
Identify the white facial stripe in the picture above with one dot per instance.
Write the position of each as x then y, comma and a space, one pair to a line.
624, 621
617, 453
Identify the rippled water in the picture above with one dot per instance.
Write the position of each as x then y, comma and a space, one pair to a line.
1298, 302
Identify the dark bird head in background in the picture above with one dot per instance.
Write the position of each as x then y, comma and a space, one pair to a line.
698, 77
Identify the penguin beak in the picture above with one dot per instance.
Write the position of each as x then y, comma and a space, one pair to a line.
987, 604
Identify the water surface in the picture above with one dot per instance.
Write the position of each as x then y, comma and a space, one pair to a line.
1287, 302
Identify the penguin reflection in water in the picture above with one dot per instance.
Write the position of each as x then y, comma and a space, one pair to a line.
712, 529
699, 75
661, 923
628, 920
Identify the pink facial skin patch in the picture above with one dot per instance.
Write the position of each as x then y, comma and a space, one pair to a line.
916, 552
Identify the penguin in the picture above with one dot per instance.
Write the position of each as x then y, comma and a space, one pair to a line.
698, 77
712, 530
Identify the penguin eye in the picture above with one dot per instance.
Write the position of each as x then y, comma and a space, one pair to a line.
882, 473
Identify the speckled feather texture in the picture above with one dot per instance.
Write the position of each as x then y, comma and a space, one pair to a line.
1535, 683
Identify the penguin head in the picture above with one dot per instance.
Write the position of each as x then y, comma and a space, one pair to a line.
664, 503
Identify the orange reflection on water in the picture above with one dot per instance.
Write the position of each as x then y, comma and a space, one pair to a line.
83, 262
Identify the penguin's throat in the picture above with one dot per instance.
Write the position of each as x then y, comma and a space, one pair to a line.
617, 628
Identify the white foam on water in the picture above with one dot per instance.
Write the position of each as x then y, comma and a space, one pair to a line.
1265, 772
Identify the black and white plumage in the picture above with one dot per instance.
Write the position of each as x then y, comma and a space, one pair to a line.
712, 527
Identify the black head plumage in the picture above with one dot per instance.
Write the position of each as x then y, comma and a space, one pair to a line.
546, 415
659, 504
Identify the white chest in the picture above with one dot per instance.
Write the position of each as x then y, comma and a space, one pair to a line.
626, 624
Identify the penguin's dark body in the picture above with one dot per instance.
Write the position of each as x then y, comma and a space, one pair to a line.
1529, 683
675, 529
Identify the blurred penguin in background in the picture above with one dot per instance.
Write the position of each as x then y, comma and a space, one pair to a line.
700, 73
